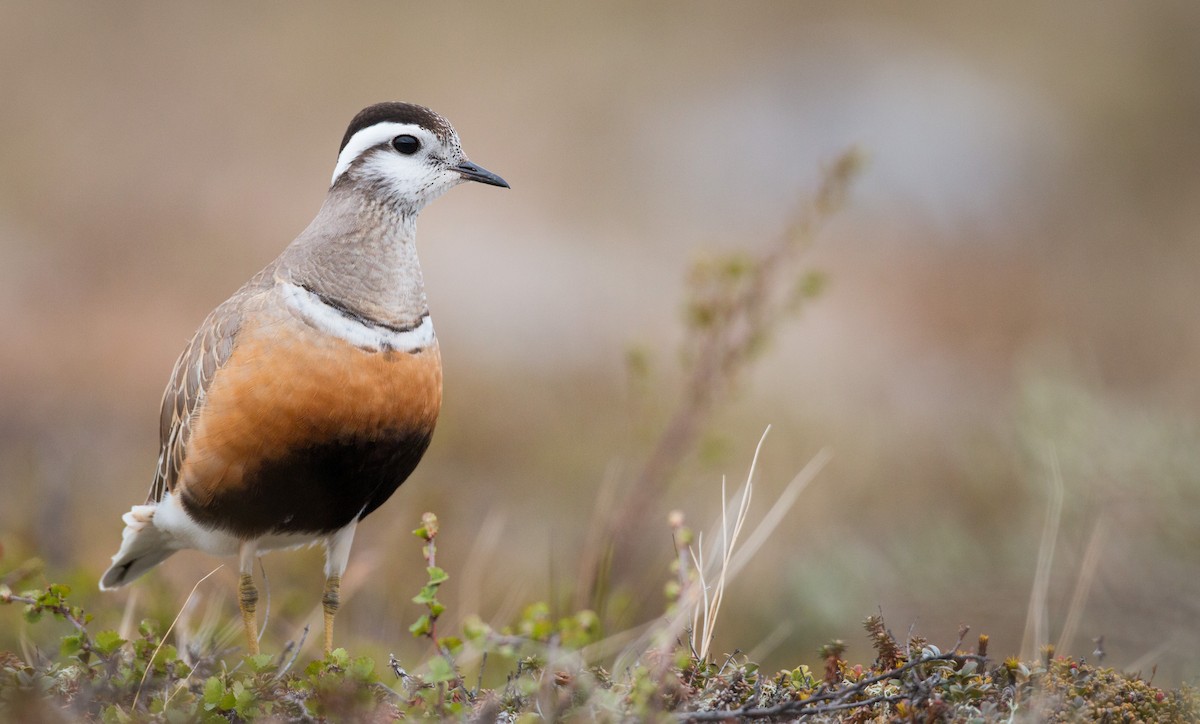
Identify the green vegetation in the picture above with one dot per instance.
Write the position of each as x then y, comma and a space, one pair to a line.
556, 668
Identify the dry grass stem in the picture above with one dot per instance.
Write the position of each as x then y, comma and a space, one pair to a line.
167, 633
712, 606
1083, 585
1036, 618
703, 590
786, 500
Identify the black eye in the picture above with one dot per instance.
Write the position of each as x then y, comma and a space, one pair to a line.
406, 144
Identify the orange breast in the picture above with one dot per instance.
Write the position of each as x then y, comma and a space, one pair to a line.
302, 432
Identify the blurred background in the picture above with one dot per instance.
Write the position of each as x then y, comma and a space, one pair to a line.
1012, 291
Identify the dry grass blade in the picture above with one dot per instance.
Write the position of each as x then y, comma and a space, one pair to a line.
712, 605
785, 501
733, 561
701, 597
150, 663
1036, 619
1083, 584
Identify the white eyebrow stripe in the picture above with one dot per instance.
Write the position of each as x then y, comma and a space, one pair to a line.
368, 137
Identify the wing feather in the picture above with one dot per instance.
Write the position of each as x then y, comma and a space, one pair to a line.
193, 374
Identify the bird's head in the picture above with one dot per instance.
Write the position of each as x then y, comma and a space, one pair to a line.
405, 153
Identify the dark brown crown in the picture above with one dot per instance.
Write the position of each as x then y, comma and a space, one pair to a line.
396, 112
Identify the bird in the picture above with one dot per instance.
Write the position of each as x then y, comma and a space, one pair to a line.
304, 400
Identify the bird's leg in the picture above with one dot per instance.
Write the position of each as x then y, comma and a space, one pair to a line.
337, 553
248, 595
330, 603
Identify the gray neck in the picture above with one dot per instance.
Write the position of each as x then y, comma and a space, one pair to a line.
360, 252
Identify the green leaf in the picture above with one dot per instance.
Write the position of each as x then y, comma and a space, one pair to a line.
214, 691
243, 701
362, 668
213, 717
439, 671
338, 657
114, 714
106, 642
259, 663
166, 654
71, 644
437, 576
421, 627
428, 594
148, 627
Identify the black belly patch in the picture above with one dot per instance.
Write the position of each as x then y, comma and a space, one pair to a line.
316, 489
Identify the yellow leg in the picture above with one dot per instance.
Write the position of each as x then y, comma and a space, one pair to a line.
330, 603
337, 552
247, 600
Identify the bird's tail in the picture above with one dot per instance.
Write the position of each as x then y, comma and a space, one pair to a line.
143, 546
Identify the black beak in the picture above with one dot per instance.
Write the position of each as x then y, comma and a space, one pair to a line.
471, 172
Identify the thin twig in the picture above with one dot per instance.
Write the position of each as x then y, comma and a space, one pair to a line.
295, 653
479, 681
727, 660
